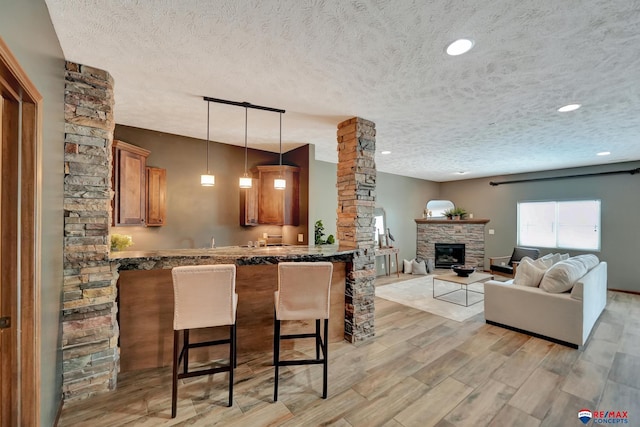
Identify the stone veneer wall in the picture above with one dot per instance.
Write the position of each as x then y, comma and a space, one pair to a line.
356, 184
89, 326
471, 234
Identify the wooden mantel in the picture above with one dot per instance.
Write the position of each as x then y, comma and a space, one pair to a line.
451, 221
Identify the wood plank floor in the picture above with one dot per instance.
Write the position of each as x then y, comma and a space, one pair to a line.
419, 370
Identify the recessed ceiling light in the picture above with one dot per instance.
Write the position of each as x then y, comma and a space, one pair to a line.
570, 107
459, 47
604, 153
385, 152
462, 173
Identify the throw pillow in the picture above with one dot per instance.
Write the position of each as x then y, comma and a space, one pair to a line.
407, 266
528, 273
418, 267
556, 258
564, 257
589, 260
562, 275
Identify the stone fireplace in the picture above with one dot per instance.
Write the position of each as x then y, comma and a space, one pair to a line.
469, 233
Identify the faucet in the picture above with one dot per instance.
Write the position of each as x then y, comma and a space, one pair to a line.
213, 242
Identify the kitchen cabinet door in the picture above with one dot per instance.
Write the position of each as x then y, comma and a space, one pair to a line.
129, 175
249, 204
278, 207
156, 190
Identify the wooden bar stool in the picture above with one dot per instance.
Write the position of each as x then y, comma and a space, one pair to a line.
303, 294
204, 296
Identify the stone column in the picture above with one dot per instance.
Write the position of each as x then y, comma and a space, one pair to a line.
356, 224
89, 326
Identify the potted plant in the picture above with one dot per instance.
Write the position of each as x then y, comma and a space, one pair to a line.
319, 235
459, 213
455, 213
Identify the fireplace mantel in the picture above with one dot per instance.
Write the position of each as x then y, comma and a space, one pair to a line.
451, 221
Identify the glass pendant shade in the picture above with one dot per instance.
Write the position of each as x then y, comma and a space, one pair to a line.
279, 183
245, 181
207, 180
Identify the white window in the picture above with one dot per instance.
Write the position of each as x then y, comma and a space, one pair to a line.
566, 225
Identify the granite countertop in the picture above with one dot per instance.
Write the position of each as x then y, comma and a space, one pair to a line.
169, 258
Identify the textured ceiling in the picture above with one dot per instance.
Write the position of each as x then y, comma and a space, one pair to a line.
489, 112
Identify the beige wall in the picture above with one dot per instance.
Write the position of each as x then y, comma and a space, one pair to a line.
196, 213
620, 205
26, 28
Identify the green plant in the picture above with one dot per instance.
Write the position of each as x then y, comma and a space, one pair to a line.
120, 242
459, 212
318, 233
450, 213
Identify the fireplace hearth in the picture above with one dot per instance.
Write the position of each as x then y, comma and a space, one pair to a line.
448, 254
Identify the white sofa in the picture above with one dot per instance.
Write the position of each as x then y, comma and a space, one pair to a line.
566, 317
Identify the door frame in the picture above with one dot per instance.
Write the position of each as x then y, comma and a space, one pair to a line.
26, 317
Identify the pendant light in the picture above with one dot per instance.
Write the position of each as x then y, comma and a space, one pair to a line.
280, 183
245, 180
207, 180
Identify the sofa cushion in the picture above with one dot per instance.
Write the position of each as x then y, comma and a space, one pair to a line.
407, 266
418, 267
528, 273
562, 275
519, 253
589, 260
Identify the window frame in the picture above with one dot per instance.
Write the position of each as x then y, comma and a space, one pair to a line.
556, 221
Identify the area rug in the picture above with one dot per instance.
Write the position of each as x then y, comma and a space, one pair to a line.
418, 293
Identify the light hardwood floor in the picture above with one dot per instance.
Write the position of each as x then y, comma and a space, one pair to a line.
419, 370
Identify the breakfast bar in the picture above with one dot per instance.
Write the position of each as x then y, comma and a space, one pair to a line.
145, 298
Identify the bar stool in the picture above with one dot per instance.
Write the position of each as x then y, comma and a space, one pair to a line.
204, 296
303, 294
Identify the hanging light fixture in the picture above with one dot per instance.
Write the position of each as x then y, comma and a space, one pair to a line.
280, 183
207, 180
245, 180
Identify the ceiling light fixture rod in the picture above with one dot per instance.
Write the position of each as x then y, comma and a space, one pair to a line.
243, 104
517, 181
280, 142
208, 105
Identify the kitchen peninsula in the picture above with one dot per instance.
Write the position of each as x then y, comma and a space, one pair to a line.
145, 297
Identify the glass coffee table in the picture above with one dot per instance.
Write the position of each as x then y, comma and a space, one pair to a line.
464, 282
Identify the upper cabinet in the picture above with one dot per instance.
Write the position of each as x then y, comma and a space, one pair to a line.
129, 173
156, 190
278, 207
140, 191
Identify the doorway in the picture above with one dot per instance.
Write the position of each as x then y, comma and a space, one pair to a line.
20, 106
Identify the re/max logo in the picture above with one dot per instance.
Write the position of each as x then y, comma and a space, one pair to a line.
610, 414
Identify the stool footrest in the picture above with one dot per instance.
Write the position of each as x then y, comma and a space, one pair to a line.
208, 343
293, 336
205, 372
301, 362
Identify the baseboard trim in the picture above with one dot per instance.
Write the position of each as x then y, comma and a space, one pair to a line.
624, 291
58, 413
533, 334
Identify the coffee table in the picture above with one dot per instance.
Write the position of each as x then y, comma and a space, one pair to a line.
463, 282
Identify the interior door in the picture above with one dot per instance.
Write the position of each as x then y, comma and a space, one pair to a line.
20, 136
8, 256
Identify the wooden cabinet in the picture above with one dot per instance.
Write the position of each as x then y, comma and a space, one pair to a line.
156, 190
129, 173
278, 207
249, 204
